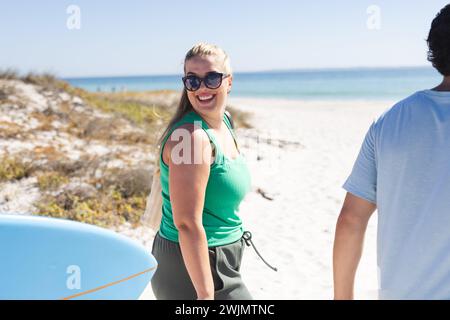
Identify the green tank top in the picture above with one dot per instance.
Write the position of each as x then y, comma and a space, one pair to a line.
228, 183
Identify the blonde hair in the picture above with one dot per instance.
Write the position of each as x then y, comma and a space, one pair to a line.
208, 50
152, 214
199, 50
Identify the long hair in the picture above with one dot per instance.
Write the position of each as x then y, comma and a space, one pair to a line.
153, 211
185, 106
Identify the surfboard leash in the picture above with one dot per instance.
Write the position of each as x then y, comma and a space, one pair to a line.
247, 236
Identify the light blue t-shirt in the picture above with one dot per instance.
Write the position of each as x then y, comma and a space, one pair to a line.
404, 168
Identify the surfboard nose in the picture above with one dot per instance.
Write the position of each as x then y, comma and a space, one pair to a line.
48, 258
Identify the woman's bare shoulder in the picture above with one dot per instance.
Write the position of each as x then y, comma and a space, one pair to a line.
188, 134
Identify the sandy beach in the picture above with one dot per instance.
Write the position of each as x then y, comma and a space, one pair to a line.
300, 153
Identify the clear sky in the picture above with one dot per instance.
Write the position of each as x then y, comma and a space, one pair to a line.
138, 37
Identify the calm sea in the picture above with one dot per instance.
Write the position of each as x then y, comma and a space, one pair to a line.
342, 84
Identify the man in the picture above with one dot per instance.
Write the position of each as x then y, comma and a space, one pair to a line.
403, 171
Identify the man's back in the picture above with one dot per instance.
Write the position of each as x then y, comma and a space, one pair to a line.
404, 168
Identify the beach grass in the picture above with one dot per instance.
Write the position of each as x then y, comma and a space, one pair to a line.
51, 180
13, 168
106, 210
127, 118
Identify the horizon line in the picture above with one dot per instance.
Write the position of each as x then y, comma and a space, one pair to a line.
254, 72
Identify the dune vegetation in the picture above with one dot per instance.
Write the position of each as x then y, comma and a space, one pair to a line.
89, 155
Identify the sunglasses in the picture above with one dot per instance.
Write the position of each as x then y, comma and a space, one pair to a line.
212, 80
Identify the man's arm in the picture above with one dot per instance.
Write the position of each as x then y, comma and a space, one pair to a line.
348, 243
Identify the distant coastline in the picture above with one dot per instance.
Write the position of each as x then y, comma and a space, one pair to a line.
363, 83
293, 70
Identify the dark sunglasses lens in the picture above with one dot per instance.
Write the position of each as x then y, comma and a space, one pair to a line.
192, 83
213, 80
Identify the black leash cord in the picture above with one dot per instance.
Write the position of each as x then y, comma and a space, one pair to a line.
247, 236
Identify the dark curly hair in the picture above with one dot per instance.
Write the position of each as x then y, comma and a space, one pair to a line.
439, 42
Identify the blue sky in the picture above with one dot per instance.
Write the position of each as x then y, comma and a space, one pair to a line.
151, 37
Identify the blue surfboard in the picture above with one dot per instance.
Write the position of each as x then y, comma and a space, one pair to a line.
47, 258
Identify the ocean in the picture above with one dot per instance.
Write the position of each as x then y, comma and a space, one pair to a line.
342, 84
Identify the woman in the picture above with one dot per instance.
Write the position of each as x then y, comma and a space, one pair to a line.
204, 178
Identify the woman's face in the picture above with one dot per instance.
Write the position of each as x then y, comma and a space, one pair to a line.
205, 100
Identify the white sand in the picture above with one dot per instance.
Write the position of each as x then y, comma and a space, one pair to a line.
305, 151
295, 231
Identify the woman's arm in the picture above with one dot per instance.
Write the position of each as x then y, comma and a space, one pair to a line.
187, 183
348, 244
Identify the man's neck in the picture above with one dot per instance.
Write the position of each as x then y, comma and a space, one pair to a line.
444, 86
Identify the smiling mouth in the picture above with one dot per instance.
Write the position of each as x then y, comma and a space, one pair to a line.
206, 98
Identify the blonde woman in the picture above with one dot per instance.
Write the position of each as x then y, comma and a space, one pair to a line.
204, 178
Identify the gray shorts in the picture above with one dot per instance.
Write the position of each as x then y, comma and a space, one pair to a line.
172, 282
